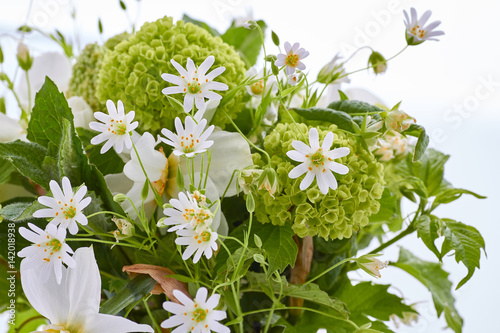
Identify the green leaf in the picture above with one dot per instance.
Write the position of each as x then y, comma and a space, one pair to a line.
122, 5
343, 96
389, 211
99, 26
448, 195
429, 169
276, 39
135, 289
205, 26
467, 243
107, 163
312, 293
421, 146
353, 106
247, 42
427, 230
339, 118
278, 243
28, 158
46, 120
436, 280
368, 299
6, 169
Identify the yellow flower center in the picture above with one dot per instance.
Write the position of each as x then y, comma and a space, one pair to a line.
257, 88
69, 212
318, 158
117, 127
199, 315
416, 31
194, 87
292, 60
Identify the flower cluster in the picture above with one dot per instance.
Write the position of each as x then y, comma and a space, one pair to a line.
334, 215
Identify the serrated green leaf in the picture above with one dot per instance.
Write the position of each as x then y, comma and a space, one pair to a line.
28, 158
135, 289
353, 106
278, 243
339, 118
427, 230
247, 42
368, 299
436, 280
46, 120
312, 293
467, 243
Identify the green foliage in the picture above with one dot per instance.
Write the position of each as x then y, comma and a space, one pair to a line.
339, 118
422, 142
436, 280
107, 163
247, 42
205, 26
353, 106
132, 292
278, 244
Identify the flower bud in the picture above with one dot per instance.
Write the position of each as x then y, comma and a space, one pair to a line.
119, 198
23, 57
247, 178
250, 25
370, 264
378, 62
269, 181
398, 121
125, 229
331, 71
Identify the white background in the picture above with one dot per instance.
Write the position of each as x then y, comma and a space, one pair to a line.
442, 84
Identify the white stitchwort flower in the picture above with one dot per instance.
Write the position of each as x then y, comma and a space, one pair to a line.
191, 140
65, 207
317, 162
48, 252
195, 83
185, 212
293, 79
115, 128
398, 120
73, 306
196, 315
416, 33
204, 242
292, 58
373, 266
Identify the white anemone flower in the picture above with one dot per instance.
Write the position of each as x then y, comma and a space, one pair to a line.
195, 83
292, 58
317, 161
416, 31
73, 306
198, 243
196, 315
185, 212
115, 128
65, 208
48, 252
191, 140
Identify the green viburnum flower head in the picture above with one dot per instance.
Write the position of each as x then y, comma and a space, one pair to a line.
335, 215
132, 71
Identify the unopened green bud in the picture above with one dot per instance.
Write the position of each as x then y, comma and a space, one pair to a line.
378, 62
250, 25
119, 198
23, 57
250, 202
259, 258
257, 241
269, 181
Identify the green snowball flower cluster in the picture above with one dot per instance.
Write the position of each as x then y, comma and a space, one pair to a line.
335, 215
86, 70
132, 71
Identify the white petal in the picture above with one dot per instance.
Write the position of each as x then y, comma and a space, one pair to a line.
306, 182
327, 141
338, 168
314, 138
298, 171
339, 152
296, 156
113, 324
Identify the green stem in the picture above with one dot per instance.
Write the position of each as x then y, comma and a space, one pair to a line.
239, 313
401, 235
102, 241
328, 270
29, 92
155, 324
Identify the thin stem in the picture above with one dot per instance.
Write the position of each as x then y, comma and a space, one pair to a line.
401, 235
148, 310
102, 241
328, 270
29, 92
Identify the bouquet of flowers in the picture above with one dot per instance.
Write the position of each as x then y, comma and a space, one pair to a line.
188, 180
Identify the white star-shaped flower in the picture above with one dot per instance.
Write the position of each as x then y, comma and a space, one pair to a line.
115, 128
204, 242
65, 207
317, 162
292, 58
48, 252
416, 33
195, 83
196, 315
191, 140
187, 212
